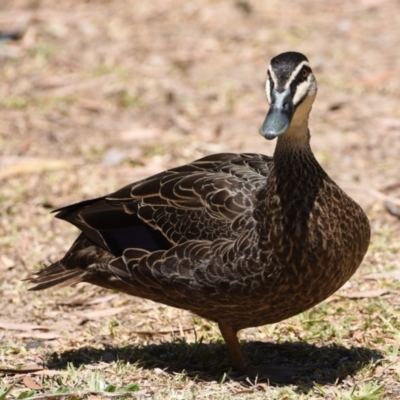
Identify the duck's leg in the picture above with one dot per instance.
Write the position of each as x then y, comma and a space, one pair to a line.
240, 362
277, 374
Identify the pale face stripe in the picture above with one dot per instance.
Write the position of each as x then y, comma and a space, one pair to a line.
268, 90
301, 89
273, 75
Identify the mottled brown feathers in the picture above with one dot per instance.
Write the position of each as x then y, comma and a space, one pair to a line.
242, 232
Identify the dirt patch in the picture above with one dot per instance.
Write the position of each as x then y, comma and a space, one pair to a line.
99, 94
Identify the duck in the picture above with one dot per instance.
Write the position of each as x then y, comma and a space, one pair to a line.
243, 240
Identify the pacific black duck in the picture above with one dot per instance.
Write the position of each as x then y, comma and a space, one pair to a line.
240, 239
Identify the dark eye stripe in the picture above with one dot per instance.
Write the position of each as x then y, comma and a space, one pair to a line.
271, 83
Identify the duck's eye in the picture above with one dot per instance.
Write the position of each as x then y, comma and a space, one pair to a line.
304, 73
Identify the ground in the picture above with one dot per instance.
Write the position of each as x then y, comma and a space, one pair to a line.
98, 94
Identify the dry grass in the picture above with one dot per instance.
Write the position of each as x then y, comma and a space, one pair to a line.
99, 94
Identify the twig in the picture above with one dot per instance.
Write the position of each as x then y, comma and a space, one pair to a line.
86, 392
392, 209
385, 197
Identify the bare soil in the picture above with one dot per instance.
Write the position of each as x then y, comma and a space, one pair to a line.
98, 94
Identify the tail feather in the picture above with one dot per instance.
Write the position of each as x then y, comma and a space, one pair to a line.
56, 276
80, 264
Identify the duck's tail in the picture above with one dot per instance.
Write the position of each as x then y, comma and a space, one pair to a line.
81, 262
55, 275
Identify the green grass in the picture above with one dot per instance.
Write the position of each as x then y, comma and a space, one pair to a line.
211, 75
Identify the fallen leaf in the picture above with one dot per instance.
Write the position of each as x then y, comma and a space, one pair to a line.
71, 87
365, 294
384, 197
108, 312
38, 335
73, 301
139, 132
25, 369
244, 391
85, 300
392, 208
31, 165
159, 371
22, 327
49, 372
162, 332
358, 335
392, 123
103, 299
389, 187
31, 384
91, 105
182, 123
6, 263
57, 81
261, 385
384, 275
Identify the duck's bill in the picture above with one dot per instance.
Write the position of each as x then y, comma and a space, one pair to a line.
279, 116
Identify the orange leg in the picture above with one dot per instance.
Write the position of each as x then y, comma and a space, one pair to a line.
272, 373
240, 362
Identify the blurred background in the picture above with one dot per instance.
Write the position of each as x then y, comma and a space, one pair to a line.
97, 94
141, 86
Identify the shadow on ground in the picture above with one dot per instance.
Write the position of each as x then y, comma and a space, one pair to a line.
209, 362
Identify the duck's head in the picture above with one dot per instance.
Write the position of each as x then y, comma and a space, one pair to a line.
291, 89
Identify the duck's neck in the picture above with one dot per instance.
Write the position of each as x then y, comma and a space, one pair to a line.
293, 159
297, 179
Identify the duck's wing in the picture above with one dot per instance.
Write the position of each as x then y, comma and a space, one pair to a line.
208, 199
164, 229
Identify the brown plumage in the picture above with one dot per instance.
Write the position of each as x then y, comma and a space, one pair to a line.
240, 239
